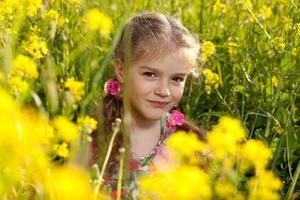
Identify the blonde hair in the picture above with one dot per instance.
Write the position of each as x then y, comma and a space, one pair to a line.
151, 35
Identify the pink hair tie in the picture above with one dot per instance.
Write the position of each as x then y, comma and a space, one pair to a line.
112, 87
176, 119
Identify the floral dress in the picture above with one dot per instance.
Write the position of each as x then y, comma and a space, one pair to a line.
142, 165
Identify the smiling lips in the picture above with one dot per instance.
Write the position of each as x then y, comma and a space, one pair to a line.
159, 104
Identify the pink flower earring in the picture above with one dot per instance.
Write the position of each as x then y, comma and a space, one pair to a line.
112, 87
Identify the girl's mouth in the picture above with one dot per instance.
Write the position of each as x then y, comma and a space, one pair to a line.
158, 104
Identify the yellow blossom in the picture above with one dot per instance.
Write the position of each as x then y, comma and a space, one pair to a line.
76, 88
297, 27
278, 43
18, 84
225, 136
68, 182
52, 14
265, 12
187, 151
256, 153
179, 183
208, 48
61, 150
227, 190
211, 80
264, 186
24, 66
232, 48
65, 129
288, 24
274, 81
277, 128
97, 20
35, 46
87, 124
32, 7
219, 7
246, 4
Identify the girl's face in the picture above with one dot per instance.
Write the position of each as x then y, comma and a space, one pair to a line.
157, 84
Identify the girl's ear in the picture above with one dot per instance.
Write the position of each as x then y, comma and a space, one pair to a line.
119, 70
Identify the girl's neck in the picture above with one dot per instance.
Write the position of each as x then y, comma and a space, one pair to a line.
144, 135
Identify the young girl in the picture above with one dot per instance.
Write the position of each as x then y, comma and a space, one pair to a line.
154, 55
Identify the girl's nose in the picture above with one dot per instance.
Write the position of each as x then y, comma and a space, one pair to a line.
163, 89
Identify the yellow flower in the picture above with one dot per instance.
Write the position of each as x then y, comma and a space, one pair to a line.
256, 153
225, 136
246, 4
297, 27
185, 182
231, 48
187, 151
24, 66
288, 24
52, 14
21, 148
219, 8
18, 84
35, 47
278, 44
274, 81
87, 124
208, 48
211, 80
68, 182
32, 6
97, 20
226, 190
62, 21
277, 128
76, 88
65, 129
265, 12
264, 186
61, 150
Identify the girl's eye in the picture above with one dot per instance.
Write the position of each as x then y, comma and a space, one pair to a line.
178, 79
149, 74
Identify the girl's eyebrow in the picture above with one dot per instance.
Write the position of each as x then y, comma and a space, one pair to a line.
150, 68
180, 74
157, 71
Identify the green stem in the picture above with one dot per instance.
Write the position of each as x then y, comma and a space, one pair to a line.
116, 130
294, 181
224, 102
120, 175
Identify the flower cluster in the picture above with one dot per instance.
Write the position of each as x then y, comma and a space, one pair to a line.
228, 160
97, 20
35, 46
208, 48
211, 80
76, 88
23, 69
